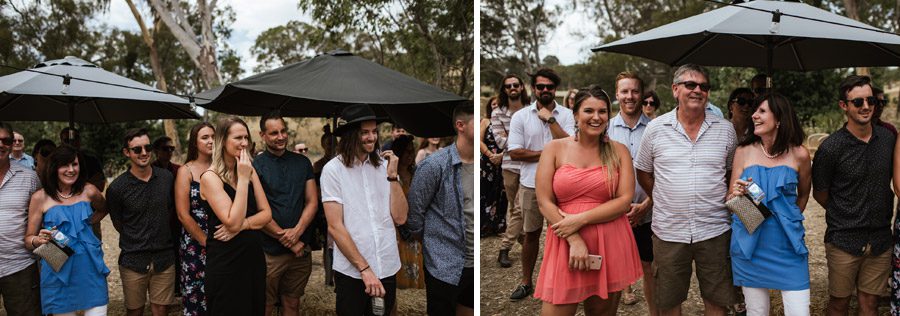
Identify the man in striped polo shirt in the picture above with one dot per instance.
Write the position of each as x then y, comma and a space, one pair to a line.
683, 164
512, 98
18, 271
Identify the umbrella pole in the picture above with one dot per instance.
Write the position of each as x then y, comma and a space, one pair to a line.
71, 115
769, 52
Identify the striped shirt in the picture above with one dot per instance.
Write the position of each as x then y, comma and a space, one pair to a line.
631, 137
689, 177
15, 193
527, 131
500, 118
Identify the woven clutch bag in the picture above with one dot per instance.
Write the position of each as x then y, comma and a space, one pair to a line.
749, 214
53, 254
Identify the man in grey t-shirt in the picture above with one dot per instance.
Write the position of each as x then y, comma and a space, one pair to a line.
443, 182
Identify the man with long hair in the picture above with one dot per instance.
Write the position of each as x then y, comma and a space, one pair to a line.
363, 201
512, 98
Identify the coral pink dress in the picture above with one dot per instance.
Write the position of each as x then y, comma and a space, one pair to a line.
578, 190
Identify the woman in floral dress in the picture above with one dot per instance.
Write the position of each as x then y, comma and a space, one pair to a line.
192, 245
493, 197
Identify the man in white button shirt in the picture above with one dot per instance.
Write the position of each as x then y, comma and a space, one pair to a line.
363, 202
529, 129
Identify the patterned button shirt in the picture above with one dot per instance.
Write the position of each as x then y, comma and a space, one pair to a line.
689, 177
857, 176
436, 207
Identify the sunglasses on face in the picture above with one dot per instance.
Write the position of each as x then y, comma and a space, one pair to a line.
858, 102
542, 87
8, 141
742, 101
690, 85
304, 150
167, 148
22, 141
511, 86
652, 103
138, 149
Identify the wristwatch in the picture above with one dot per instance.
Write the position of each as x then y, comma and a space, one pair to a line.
551, 120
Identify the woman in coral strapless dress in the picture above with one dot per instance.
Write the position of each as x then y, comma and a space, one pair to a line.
584, 187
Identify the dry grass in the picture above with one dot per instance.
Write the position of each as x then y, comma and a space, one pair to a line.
497, 283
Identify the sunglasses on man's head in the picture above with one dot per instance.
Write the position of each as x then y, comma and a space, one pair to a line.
690, 85
138, 149
542, 87
858, 102
742, 101
511, 86
653, 103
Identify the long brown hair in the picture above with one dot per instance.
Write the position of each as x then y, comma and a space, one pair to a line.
193, 151
789, 132
351, 143
608, 155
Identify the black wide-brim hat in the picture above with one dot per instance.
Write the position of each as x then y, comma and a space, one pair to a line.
353, 115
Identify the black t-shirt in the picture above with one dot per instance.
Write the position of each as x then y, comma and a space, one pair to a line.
284, 180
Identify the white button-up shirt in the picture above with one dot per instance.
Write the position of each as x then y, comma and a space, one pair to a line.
16, 188
527, 131
689, 177
631, 137
364, 193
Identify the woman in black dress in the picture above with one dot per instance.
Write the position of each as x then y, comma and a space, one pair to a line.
493, 197
237, 208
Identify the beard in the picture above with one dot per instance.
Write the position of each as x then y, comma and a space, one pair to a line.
546, 98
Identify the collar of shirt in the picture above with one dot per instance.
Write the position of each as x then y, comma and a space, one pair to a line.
618, 120
533, 107
153, 174
14, 168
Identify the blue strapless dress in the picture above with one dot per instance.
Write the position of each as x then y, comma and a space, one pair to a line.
775, 255
81, 282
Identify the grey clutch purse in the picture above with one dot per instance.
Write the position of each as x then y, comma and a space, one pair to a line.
53, 254
749, 214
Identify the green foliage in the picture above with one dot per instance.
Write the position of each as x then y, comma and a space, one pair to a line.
429, 40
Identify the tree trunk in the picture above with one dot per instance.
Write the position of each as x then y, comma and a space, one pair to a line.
852, 9
168, 124
202, 49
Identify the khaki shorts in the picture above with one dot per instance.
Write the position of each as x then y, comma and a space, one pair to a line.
532, 219
672, 269
161, 285
286, 275
847, 273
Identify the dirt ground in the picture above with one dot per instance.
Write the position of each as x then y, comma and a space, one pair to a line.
318, 300
497, 283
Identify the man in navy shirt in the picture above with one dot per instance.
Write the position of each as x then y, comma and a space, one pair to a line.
290, 186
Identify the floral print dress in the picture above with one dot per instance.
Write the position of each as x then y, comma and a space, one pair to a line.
193, 260
493, 196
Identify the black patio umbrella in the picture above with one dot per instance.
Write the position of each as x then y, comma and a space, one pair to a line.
324, 85
765, 34
71, 89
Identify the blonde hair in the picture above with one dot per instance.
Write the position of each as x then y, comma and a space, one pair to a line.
218, 157
608, 155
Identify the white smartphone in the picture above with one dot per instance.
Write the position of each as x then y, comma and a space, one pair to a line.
595, 261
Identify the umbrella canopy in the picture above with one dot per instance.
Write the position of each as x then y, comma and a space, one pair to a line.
105, 97
745, 35
324, 85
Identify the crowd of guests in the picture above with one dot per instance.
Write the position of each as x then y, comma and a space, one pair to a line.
634, 195
231, 232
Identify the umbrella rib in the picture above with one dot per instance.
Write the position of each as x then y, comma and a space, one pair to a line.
694, 49
888, 51
749, 40
11, 101
99, 113
797, 57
